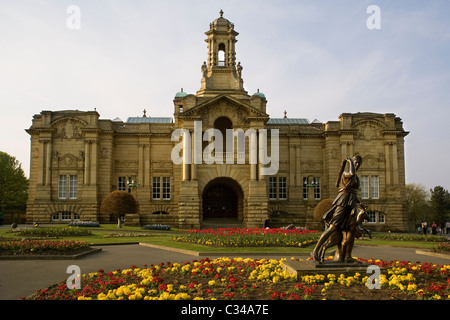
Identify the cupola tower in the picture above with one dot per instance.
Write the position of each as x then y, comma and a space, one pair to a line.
220, 73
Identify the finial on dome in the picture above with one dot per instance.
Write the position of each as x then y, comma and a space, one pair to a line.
145, 113
221, 13
285, 112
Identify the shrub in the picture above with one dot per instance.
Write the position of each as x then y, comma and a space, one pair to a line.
156, 227
117, 204
322, 208
91, 224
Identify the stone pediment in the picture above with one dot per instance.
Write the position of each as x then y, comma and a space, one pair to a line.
223, 105
68, 128
69, 161
369, 129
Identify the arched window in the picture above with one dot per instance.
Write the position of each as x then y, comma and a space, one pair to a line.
376, 217
222, 124
221, 55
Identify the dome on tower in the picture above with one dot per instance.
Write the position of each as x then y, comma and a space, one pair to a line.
259, 94
222, 23
181, 94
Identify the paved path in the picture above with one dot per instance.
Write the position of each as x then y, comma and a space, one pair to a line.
23, 277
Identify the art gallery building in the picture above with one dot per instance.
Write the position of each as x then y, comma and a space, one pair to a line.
78, 158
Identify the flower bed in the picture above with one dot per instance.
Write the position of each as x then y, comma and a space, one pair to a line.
38, 247
444, 247
409, 237
249, 237
127, 235
52, 232
254, 279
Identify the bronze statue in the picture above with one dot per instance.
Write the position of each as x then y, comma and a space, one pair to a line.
344, 239
341, 219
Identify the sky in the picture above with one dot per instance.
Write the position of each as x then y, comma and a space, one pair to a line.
314, 59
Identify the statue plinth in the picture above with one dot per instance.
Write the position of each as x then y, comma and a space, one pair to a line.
310, 267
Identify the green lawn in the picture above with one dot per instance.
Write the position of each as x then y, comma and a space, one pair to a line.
164, 238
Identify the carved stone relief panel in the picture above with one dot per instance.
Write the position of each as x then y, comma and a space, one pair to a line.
68, 128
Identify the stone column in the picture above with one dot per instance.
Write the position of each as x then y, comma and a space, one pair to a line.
93, 175
253, 155
41, 167
48, 162
140, 164
147, 173
299, 167
186, 155
193, 164
394, 164
292, 163
388, 162
87, 163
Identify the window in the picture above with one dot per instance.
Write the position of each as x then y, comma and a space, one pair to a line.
62, 187
364, 187
166, 188
221, 55
315, 184
73, 186
282, 188
156, 194
376, 217
161, 187
374, 187
277, 188
65, 215
372, 190
122, 183
305, 188
272, 188
372, 216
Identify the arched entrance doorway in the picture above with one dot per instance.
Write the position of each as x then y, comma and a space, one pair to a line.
222, 199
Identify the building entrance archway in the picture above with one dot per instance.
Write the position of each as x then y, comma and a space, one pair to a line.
222, 199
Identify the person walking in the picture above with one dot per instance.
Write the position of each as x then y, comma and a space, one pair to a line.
424, 227
434, 229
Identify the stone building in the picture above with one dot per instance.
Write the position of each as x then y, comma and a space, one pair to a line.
179, 175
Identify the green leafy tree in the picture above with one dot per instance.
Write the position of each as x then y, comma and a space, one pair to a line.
13, 183
440, 204
118, 204
417, 203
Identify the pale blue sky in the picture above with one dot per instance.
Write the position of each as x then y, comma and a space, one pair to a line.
314, 59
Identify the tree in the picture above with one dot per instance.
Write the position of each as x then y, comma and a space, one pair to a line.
417, 203
13, 183
118, 204
440, 204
